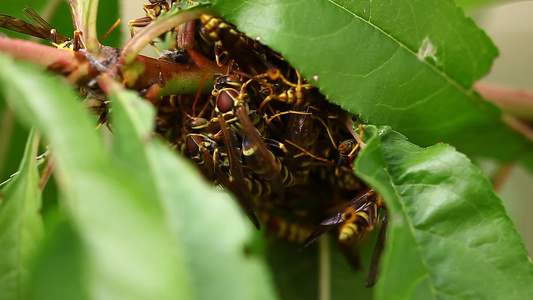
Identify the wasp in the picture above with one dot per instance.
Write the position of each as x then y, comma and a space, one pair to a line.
249, 55
275, 156
251, 58
285, 228
153, 11
41, 29
354, 221
203, 145
232, 107
292, 93
204, 150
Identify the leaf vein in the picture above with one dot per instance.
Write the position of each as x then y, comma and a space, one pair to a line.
411, 229
402, 45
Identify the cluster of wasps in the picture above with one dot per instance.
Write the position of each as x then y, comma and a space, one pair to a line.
270, 138
263, 133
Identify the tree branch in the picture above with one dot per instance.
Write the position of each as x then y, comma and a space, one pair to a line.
143, 73
515, 101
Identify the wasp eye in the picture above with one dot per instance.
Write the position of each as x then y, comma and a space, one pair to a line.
193, 142
226, 100
347, 216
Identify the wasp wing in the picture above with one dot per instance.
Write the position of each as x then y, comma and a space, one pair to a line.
36, 19
223, 178
238, 186
380, 245
334, 220
14, 24
264, 156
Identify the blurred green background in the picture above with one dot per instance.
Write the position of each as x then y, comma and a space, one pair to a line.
511, 28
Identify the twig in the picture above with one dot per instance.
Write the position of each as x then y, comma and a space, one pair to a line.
76, 11
519, 126
501, 176
73, 65
324, 268
90, 11
515, 101
163, 24
76, 67
47, 172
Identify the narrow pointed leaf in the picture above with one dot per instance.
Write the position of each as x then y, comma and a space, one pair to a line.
449, 235
212, 231
21, 227
408, 64
12, 134
132, 254
65, 254
90, 35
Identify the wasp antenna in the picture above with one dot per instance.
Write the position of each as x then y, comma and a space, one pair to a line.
109, 30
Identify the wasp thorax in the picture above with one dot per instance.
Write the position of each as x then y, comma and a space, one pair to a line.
227, 81
196, 124
226, 100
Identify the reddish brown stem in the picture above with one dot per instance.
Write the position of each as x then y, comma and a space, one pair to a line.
172, 77
80, 68
186, 35
73, 65
519, 126
515, 101
501, 177
47, 172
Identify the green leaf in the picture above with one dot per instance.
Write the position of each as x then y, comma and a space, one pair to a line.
208, 224
131, 250
21, 227
65, 254
408, 64
475, 4
449, 235
13, 136
52, 121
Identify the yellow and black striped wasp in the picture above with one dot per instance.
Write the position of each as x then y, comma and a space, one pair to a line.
354, 221
252, 59
153, 11
40, 28
232, 107
234, 45
204, 151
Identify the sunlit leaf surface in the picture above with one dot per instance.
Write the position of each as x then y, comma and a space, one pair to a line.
449, 235
477, 4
